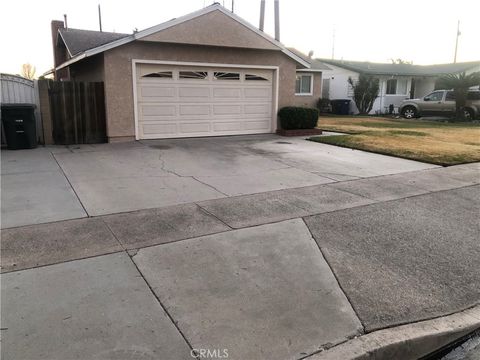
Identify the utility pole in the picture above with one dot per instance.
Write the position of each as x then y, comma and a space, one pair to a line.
456, 41
99, 17
276, 5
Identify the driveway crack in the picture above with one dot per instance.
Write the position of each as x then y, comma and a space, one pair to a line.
70, 184
210, 186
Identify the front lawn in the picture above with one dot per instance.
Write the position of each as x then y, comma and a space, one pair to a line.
428, 141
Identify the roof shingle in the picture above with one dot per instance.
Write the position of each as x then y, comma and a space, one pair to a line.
78, 40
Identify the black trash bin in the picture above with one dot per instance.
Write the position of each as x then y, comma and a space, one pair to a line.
19, 124
341, 106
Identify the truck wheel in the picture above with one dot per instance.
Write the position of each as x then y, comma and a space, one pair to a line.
468, 114
409, 112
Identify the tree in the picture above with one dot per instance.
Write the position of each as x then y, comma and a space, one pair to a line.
28, 71
365, 91
459, 83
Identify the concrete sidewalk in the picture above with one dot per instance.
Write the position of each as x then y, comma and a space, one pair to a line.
281, 274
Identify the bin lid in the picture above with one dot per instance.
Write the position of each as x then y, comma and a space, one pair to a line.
19, 106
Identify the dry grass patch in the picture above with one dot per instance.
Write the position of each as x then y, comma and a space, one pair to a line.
434, 142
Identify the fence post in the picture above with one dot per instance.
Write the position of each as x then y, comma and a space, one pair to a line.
45, 111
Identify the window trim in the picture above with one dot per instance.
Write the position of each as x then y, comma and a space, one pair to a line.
396, 87
311, 85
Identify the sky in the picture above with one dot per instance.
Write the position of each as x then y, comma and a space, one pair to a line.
422, 31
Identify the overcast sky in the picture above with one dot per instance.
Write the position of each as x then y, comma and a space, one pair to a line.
422, 31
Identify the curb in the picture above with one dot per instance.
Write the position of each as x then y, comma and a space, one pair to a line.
411, 341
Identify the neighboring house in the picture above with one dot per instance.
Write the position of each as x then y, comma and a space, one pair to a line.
397, 81
204, 74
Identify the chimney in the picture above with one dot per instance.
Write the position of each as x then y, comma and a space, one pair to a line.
262, 15
65, 20
55, 26
59, 51
277, 20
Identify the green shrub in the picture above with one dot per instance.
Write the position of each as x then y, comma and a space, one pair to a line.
292, 117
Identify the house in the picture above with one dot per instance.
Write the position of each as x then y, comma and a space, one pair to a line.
397, 81
207, 73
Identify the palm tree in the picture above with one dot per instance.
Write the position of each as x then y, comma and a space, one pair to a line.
460, 83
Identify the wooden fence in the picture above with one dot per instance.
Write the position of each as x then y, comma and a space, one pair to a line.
77, 112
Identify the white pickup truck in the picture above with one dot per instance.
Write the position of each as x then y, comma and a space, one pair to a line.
440, 103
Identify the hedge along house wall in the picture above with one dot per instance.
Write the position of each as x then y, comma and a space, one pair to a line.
293, 117
15, 89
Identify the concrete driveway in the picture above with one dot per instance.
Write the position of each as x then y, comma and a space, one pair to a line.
58, 183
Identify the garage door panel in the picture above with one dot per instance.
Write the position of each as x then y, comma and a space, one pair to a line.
157, 91
258, 109
258, 93
206, 106
194, 109
194, 127
227, 93
257, 124
159, 128
158, 110
227, 109
228, 126
193, 92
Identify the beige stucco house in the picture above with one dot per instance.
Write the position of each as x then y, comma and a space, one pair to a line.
204, 74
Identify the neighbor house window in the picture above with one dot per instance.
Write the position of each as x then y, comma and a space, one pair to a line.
401, 87
193, 74
391, 87
304, 85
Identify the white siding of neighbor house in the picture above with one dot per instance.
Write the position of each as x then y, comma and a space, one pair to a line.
424, 86
340, 89
384, 100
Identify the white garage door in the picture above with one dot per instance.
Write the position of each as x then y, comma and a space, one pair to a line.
189, 101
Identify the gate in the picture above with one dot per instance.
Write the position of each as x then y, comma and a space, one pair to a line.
77, 112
